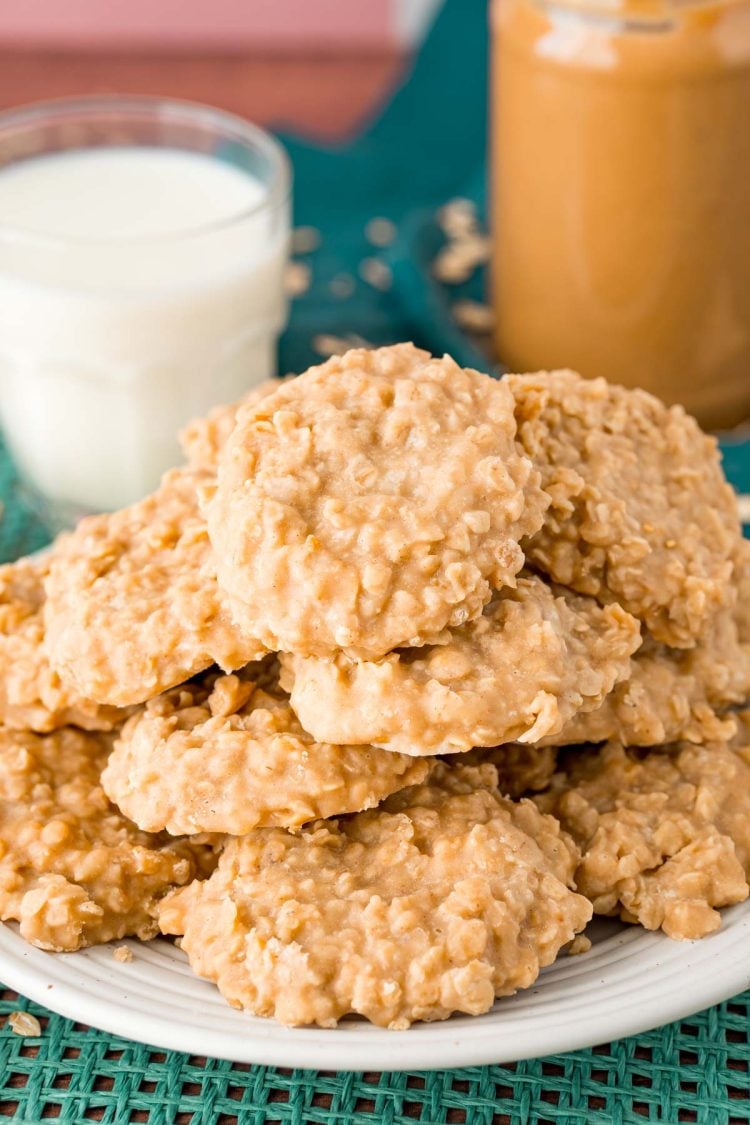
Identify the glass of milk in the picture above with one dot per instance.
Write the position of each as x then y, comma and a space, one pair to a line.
142, 253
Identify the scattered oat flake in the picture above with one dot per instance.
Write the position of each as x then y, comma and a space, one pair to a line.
328, 345
459, 258
305, 240
474, 316
380, 232
296, 279
450, 267
122, 954
476, 248
23, 1023
376, 273
342, 285
743, 504
458, 217
579, 944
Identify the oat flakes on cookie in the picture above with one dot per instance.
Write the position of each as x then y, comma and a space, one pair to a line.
133, 606
521, 770
32, 695
641, 513
220, 754
73, 871
442, 899
664, 834
372, 502
675, 695
535, 657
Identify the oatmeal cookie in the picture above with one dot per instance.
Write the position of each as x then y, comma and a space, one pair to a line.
32, 695
675, 695
133, 606
220, 754
372, 502
73, 870
665, 834
203, 439
442, 899
535, 657
521, 769
641, 513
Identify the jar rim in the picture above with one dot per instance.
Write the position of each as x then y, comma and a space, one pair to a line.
648, 14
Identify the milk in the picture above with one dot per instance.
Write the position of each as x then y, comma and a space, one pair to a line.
138, 287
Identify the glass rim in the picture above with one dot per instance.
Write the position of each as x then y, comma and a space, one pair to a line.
26, 118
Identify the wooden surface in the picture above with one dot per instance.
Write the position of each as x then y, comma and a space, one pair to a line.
326, 97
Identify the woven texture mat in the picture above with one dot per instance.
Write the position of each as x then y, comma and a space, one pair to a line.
693, 1071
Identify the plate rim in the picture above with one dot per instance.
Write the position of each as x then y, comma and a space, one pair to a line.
435, 1046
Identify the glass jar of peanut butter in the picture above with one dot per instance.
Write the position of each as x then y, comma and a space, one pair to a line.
621, 194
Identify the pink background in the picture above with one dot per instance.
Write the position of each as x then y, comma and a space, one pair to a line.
209, 24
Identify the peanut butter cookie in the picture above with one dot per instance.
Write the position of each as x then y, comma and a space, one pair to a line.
133, 606
442, 899
537, 656
641, 513
32, 695
73, 870
664, 834
372, 502
675, 695
521, 769
220, 754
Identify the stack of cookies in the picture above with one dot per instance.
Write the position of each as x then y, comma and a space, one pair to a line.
402, 676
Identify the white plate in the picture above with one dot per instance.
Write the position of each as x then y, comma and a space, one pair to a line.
629, 982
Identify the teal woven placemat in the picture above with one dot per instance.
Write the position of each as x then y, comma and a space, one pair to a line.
694, 1071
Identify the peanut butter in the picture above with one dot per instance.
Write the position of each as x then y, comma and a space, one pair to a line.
622, 195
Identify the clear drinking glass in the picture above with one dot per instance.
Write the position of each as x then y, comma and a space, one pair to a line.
109, 343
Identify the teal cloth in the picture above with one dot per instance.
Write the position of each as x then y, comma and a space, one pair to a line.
426, 147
